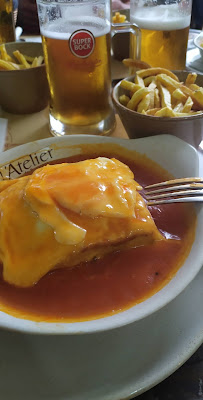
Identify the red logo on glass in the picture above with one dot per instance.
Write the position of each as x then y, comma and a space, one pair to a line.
82, 43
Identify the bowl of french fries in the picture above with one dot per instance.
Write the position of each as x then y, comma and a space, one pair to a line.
158, 101
23, 81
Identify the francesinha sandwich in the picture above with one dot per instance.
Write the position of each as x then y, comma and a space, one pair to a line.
69, 213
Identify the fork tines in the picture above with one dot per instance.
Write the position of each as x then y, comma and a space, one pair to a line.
176, 190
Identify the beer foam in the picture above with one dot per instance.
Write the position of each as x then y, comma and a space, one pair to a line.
160, 18
63, 28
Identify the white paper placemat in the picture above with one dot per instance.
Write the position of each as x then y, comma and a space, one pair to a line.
3, 132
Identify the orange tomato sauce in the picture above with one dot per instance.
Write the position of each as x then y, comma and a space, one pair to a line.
116, 282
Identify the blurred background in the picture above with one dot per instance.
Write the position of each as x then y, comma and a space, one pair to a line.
27, 13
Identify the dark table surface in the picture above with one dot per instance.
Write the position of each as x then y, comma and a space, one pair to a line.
185, 384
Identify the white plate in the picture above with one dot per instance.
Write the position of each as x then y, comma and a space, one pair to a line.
194, 61
173, 154
104, 366
198, 41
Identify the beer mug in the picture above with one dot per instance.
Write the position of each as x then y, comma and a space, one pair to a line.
7, 32
76, 37
164, 28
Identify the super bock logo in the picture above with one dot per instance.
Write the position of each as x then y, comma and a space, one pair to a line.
82, 43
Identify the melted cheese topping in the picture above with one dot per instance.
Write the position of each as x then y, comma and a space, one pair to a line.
69, 212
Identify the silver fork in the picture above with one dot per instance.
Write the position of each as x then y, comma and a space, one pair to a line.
182, 190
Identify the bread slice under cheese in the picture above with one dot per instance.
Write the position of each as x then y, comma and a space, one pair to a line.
70, 213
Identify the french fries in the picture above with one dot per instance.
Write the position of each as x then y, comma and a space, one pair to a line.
158, 92
144, 104
191, 78
130, 63
156, 71
21, 59
8, 65
124, 100
137, 97
18, 61
119, 18
133, 87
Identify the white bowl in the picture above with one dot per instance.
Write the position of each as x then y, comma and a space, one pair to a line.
174, 155
198, 40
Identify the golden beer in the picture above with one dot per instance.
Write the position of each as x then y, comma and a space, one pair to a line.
164, 36
79, 87
6, 21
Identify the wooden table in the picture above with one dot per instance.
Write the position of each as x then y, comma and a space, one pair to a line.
27, 128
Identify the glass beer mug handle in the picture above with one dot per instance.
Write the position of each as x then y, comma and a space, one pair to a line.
132, 28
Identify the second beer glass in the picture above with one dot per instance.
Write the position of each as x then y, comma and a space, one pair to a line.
7, 29
164, 31
76, 42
